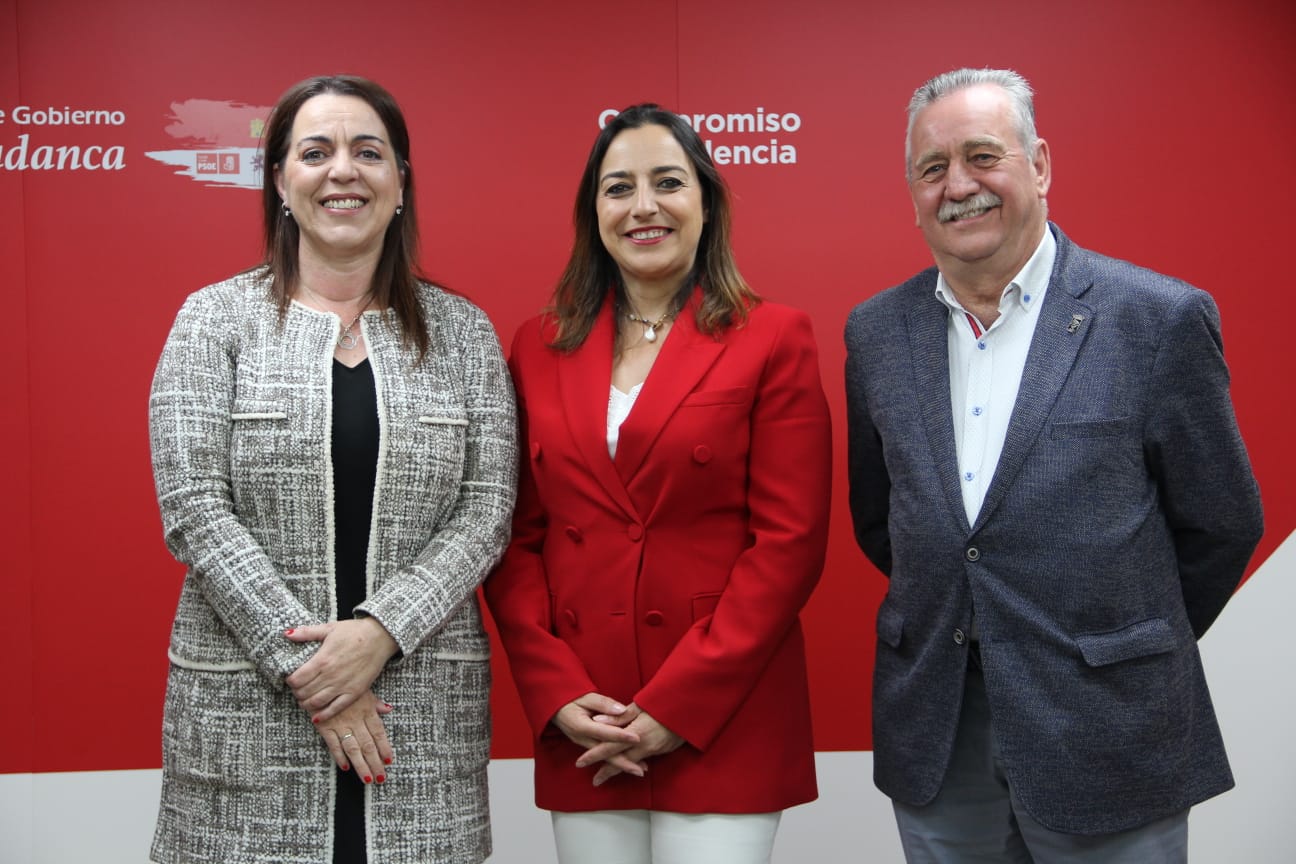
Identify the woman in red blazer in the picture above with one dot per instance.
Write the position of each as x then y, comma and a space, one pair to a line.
671, 521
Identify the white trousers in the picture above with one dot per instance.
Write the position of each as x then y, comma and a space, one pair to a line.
655, 837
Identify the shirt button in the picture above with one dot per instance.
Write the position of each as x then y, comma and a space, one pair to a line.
635, 532
959, 637
981, 345
654, 618
973, 553
968, 476
977, 411
1026, 298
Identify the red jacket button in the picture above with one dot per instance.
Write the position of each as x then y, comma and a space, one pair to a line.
654, 618
635, 532
570, 617
573, 533
702, 454
535, 450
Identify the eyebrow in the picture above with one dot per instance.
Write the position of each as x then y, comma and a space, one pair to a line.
983, 141
325, 139
661, 169
969, 145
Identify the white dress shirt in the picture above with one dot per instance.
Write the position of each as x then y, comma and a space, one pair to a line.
986, 367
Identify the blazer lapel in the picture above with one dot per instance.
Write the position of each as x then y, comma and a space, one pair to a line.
1060, 332
584, 376
928, 326
684, 358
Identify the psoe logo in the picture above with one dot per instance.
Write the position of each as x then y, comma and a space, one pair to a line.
221, 142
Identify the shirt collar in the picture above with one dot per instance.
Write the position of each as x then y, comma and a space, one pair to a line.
1026, 289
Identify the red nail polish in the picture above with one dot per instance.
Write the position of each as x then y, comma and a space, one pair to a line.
315, 719
368, 779
387, 760
346, 767
381, 778
289, 631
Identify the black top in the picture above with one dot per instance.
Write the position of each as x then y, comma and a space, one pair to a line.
355, 468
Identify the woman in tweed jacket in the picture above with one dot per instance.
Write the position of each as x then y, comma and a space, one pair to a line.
335, 457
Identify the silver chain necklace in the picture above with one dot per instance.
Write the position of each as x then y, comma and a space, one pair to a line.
347, 339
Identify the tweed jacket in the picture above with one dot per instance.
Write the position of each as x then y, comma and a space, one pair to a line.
1119, 520
239, 419
672, 575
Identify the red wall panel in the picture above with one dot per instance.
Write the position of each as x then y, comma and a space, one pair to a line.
1161, 116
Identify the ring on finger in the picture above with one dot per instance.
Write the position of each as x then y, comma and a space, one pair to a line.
346, 736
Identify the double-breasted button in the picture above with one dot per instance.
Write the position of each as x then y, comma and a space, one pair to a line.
635, 532
701, 454
973, 553
569, 616
653, 618
959, 636
535, 450
574, 534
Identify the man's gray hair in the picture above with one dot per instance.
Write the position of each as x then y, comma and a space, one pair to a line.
1018, 90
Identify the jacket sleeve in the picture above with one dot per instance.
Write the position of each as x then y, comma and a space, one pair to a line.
424, 595
548, 674
870, 485
189, 434
789, 480
1196, 456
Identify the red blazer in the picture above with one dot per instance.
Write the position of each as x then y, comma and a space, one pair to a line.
672, 576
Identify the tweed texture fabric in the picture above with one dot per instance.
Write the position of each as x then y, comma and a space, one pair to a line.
239, 420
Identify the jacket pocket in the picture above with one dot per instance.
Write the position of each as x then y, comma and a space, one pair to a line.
1090, 428
260, 434
723, 396
257, 410
705, 604
1140, 639
444, 418
890, 623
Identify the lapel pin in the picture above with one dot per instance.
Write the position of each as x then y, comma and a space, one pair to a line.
1075, 323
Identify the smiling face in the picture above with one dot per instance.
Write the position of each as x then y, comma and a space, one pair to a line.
649, 205
340, 178
978, 196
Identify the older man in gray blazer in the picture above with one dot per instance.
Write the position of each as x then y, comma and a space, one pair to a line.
1045, 462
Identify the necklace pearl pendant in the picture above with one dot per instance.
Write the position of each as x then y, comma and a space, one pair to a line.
650, 327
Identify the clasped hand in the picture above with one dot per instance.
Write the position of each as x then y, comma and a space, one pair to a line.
350, 657
357, 738
622, 737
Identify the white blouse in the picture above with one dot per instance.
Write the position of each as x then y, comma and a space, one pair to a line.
619, 405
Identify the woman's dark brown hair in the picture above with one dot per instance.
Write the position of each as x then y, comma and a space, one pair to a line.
396, 277
590, 271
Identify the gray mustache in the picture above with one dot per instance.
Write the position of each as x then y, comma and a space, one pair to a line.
952, 210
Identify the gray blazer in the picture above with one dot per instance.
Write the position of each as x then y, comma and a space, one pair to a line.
239, 419
1118, 522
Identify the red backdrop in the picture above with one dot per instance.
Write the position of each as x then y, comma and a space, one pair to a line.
1161, 115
